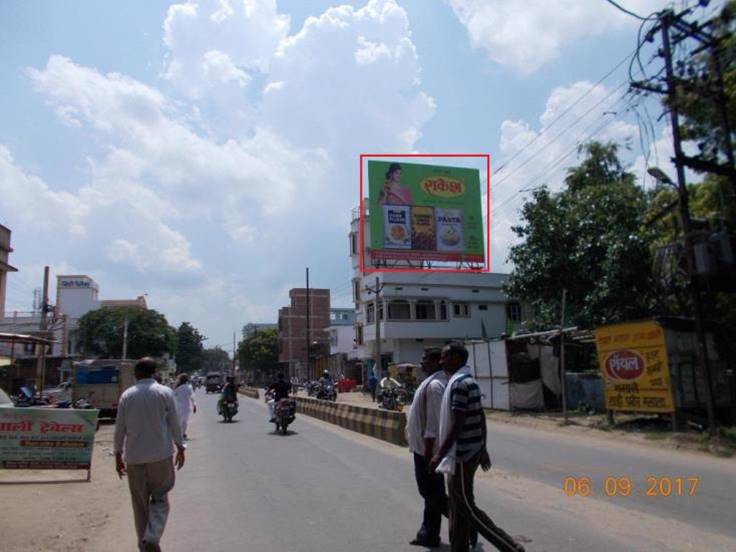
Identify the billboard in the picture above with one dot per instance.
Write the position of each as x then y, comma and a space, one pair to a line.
425, 212
633, 362
46, 438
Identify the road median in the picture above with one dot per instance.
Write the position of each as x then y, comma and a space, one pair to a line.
251, 392
381, 424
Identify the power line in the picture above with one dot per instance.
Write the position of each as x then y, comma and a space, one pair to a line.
628, 12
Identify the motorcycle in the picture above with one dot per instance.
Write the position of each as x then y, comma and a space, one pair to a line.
228, 410
312, 388
392, 398
284, 413
327, 391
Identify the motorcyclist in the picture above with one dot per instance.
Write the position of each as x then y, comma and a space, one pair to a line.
229, 393
278, 390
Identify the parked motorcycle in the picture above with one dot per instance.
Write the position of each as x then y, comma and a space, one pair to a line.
26, 397
284, 413
312, 388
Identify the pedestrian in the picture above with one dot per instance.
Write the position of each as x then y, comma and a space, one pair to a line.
372, 385
147, 434
462, 449
422, 431
184, 395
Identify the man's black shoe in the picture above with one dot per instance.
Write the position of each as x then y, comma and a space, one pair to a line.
426, 543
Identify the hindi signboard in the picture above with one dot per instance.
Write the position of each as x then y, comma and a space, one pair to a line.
633, 362
425, 212
47, 438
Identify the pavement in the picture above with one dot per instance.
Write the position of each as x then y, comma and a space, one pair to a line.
324, 488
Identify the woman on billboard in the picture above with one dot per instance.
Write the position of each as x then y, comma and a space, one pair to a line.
392, 192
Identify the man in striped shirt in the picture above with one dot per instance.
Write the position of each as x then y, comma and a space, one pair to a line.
465, 442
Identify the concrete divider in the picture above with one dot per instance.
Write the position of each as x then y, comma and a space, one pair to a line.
381, 424
251, 392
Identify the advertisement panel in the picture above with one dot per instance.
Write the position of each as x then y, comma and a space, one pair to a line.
633, 362
425, 212
46, 438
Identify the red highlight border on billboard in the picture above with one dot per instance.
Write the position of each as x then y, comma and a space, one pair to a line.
361, 237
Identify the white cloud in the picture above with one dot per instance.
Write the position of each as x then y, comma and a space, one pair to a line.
218, 42
527, 35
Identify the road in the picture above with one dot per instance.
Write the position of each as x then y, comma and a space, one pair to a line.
322, 488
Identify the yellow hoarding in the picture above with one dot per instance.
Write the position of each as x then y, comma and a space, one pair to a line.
633, 364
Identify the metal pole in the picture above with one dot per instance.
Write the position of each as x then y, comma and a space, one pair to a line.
309, 375
125, 338
377, 348
490, 368
563, 386
685, 215
41, 348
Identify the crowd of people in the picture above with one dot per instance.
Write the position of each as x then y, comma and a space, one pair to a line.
445, 430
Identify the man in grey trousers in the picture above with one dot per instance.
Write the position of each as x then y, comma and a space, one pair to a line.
147, 435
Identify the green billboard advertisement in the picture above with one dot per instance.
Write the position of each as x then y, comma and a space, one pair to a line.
424, 212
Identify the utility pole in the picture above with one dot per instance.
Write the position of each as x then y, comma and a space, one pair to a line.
41, 348
666, 22
234, 353
563, 383
125, 338
378, 366
309, 375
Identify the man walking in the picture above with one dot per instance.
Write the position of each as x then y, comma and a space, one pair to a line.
422, 431
147, 433
462, 449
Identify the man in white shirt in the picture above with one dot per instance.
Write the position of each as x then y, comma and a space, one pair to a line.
147, 434
422, 431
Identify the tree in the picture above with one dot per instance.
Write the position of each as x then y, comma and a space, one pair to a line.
189, 349
590, 239
215, 360
259, 355
149, 334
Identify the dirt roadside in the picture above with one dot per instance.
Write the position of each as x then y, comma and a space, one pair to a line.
58, 510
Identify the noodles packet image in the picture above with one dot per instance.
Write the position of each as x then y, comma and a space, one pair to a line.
449, 227
423, 237
397, 226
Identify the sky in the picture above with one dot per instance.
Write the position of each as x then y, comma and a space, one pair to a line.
204, 153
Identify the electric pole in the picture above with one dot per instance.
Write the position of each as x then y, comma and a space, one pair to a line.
41, 348
563, 383
378, 366
125, 338
309, 375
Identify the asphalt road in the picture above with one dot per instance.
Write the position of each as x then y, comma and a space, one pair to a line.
322, 488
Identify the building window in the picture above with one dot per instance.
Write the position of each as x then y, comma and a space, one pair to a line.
443, 310
399, 309
353, 243
425, 310
356, 291
380, 310
513, 312
359, 335
370, 313
483, 307
461, 310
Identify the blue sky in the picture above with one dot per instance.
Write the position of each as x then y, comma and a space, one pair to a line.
206, 152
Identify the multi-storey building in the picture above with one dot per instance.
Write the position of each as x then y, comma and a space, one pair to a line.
302, 338
5, 251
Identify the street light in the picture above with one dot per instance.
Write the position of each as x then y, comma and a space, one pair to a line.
660, 176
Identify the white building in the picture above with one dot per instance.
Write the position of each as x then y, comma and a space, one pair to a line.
424, 309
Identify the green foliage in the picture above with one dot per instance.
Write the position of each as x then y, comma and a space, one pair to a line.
215, 360
260, 352
588, 238
149, 334
189, 349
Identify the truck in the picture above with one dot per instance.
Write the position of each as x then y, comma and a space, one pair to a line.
213, 383
102, 382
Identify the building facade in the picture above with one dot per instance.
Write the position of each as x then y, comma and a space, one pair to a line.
419, 309
302, 338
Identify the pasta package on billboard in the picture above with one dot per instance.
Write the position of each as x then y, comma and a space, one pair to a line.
449, 229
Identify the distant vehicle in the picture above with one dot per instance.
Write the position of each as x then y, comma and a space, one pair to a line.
102, 381
213, 382
5, 399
